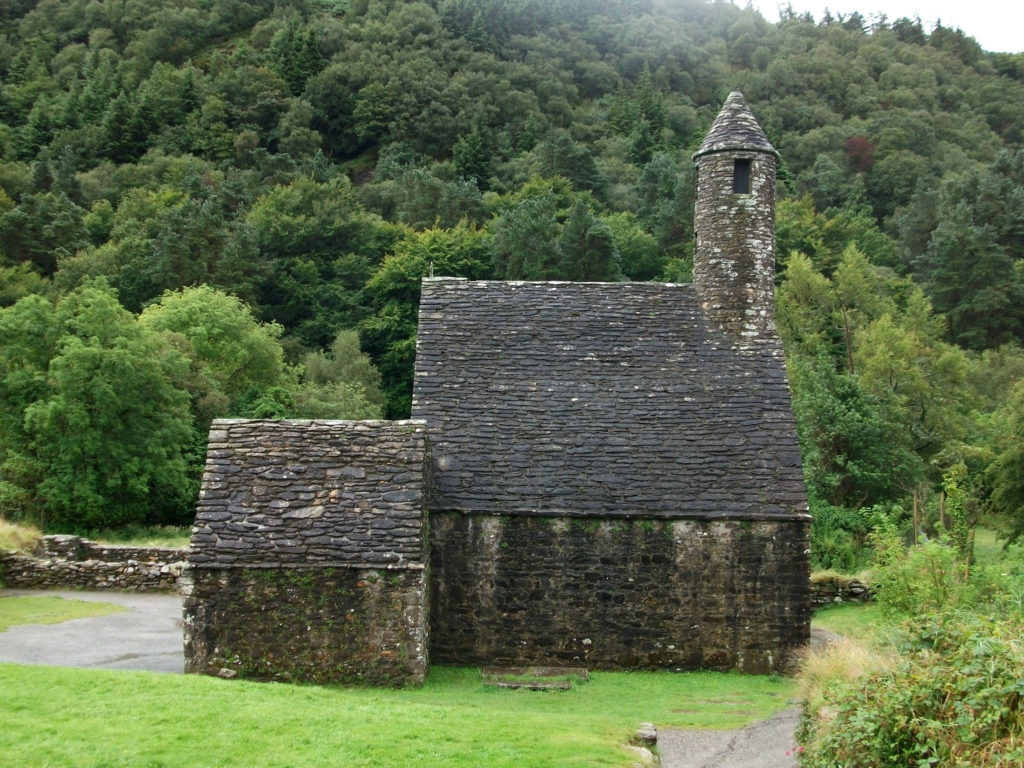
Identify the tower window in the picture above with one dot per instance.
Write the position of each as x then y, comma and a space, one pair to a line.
741, 177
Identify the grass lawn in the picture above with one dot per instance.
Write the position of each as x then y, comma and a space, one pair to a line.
144, 536
853, 620
75, 717
990, 550
48, 609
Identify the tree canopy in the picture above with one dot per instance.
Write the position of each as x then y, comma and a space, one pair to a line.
249, 193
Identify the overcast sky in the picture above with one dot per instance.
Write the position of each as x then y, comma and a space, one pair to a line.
997, 25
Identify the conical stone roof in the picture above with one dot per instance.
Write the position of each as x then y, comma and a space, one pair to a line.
735, 128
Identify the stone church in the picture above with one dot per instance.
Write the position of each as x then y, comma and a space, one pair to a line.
595, 474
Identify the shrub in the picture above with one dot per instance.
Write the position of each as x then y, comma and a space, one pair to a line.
838, 537
921, 580
956, 698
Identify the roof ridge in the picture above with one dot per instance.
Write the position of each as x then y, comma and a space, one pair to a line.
735, 128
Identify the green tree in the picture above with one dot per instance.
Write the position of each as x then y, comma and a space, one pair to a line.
525, 240
231, 355
560, 155
1005, 473
322, 246
971, 267
587, 248
854, 449
42, 229
472, 156
639, 255
295, 54
19, 281
389, 334
95, 434
342, 383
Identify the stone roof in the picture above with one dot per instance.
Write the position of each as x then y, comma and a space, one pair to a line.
735, 128
600, 398
300, 493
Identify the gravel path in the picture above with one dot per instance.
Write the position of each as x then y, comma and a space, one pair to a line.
767, 743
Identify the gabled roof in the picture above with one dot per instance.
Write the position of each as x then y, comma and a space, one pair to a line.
298, 493
735, 128
600, 398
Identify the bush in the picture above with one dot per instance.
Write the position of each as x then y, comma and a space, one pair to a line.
949, 689
928, 578
956, 699
839, 537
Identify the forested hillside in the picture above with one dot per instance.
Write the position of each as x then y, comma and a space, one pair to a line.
208, 206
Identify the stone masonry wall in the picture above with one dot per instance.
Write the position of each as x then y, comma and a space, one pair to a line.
734, 250
830, 589
308, 553
315, 625
610, 593
70, 562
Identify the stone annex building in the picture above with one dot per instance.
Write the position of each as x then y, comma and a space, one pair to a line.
597, 474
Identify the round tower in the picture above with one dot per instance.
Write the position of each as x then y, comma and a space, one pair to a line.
734, 222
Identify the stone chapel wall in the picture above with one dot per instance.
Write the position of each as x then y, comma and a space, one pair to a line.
618, 594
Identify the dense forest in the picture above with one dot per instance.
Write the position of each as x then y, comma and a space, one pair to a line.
224, 207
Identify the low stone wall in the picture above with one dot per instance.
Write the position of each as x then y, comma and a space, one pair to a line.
616, 593
315, 625
835, 589
70, 562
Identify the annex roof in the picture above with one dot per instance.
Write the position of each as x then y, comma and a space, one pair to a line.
299, 493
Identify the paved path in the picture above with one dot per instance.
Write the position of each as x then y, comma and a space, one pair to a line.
767, 743
147, 636
764, 744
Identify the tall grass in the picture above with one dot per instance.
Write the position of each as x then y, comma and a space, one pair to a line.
143, 535
17, 537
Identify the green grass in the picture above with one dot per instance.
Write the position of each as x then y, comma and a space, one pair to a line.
49, 610
853, 620
990, 550
73, 717
144, 536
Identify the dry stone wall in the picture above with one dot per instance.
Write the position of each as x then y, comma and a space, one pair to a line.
833, 589
308, 554
70, 562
